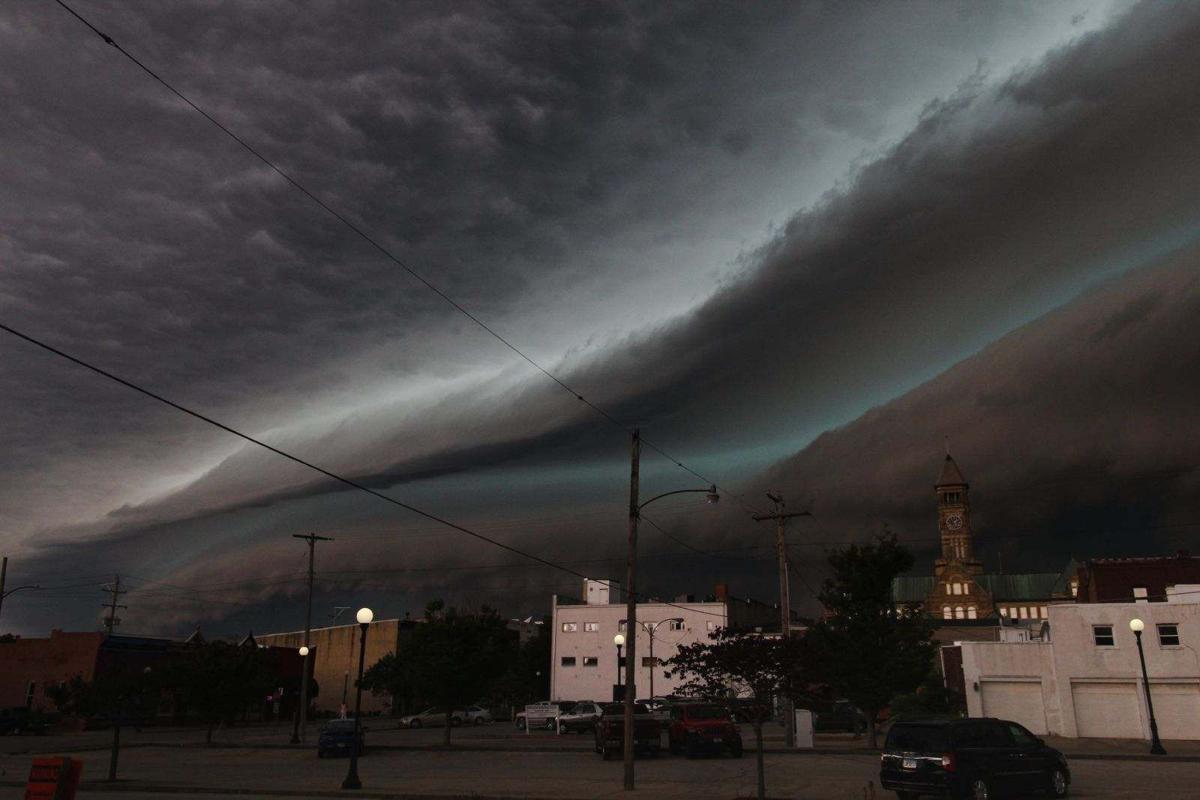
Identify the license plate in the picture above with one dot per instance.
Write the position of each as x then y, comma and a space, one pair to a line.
909, 763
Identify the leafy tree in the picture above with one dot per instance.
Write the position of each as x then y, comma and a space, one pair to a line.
740, 664
527, 677
865, 647
931, 699
451, 660
218, 681
115, 697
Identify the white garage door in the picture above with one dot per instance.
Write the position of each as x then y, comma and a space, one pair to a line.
1176, 709
1107, 710
1019, 701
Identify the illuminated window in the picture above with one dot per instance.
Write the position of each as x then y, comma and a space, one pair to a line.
570, 627
1003, 612
1042, 612
947, 613
591, 627
1024, 612
591, 661
1141, 595
959, 612
971, 612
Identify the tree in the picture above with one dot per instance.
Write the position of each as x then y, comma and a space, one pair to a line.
451, 660
116, 697
739, 664
931, 699
866, 648
527, 677
218, 681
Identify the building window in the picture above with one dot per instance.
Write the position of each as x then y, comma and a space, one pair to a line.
957, 588
1103, 636
1012, 612
676, 625
1140, 594
1074, 587
568, 661
947, 613
1168, 635
570, 627
647, 661
1024, 612
1003, 611
1042, 613
591, 627
621, 625
971, 612
959, 613
591, 661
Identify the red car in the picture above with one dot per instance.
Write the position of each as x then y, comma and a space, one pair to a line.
703, 728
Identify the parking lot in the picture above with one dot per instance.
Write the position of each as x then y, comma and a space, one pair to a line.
498, 761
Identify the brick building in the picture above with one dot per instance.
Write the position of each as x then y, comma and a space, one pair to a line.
959, 590
1124, 580
28, 666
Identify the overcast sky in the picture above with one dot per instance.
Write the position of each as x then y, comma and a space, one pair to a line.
743, 227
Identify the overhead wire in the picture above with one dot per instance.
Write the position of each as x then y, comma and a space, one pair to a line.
387, 252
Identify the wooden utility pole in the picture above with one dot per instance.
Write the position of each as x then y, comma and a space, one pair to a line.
300, 728
631, 625
115, 591
3, 576
785, 603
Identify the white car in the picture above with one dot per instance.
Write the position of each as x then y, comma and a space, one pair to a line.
477, 715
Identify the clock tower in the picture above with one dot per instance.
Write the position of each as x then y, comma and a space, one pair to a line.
956, 592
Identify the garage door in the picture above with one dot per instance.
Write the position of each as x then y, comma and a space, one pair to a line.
1176, 709
1107, 710
1019, 701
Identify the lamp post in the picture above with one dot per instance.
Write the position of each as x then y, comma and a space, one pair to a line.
303, 651
651, 628
619, 641
635, 510
1156, 748
364, 617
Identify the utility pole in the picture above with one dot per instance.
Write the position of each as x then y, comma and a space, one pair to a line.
3, 576
785, 603
114, 589
302, 718
631, 607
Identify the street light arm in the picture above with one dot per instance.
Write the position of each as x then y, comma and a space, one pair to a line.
17, 589
712, 490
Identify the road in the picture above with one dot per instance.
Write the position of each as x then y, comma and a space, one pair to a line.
557, 775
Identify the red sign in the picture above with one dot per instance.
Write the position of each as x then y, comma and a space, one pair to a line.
53, 779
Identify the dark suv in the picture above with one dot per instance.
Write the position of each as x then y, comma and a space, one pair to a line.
970, 758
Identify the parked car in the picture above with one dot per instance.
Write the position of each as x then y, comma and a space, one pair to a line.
580, 719
476, 715
697, 728
841, 715
610, 730
433, 717
337, 739
977, 758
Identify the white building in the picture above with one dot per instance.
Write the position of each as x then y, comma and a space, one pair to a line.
1083, 679
583, 657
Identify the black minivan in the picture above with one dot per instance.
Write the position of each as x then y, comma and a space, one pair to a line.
976, 759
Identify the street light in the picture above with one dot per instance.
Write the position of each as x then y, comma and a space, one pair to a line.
364, 617
1156, 748
302, 708
651, 631
619, 641
635, 510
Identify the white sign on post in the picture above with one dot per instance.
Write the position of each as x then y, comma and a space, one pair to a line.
540, 714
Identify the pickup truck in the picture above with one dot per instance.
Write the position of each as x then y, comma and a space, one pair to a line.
610, 731
703, 728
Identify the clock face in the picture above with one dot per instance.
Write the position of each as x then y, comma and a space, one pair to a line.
954, 521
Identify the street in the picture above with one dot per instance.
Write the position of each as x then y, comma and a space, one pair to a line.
248, 770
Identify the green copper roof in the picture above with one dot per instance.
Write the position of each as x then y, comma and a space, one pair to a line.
1030, 586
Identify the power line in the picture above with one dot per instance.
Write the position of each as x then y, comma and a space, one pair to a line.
384, 251
296, 459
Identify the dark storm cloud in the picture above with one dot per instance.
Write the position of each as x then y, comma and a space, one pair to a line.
1006, 201
535, 155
